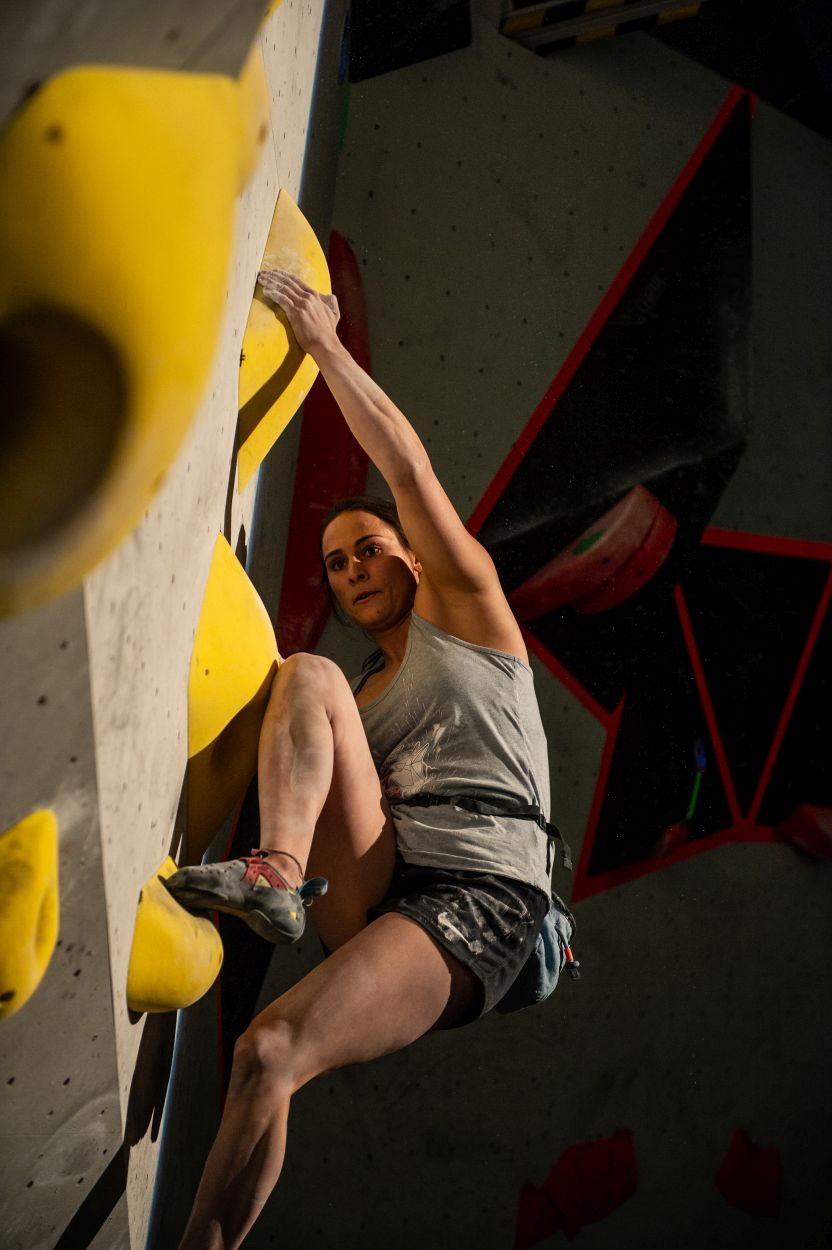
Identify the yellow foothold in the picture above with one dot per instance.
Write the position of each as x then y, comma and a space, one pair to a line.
233, 663
28, 907
118, 192
175, 957
275, 375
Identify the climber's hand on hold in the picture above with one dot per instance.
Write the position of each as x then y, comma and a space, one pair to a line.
313, 317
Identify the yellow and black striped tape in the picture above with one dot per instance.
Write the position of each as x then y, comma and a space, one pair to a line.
562, 23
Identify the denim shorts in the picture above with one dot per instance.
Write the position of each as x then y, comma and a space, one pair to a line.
487, 922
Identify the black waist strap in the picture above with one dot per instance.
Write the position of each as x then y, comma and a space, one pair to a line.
493, 805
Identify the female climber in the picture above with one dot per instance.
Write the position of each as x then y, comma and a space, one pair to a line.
410, 793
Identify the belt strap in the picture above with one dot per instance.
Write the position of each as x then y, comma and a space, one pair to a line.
493, 805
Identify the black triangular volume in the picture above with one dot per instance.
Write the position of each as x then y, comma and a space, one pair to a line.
652, 783
750, 613
664, 386
801, 774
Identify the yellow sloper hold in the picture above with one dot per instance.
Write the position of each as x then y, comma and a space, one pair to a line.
118, 196
233, 663
275, 375
175, 957
28, 907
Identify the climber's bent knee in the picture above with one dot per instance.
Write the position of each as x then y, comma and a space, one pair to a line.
310, 675
265, 1057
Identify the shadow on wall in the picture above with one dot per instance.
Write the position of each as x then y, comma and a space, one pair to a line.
145, 1105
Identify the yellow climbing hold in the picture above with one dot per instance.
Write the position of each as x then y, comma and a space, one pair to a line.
175, 957
275, 375
28, 907
117, 202
233, 663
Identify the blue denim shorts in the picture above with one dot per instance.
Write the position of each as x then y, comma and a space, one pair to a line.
487, 922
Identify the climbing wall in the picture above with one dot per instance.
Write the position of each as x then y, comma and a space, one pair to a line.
95, 715
514, 220
494, 200
38, 40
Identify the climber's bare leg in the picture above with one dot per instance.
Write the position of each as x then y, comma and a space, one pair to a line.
381, 990
317, 780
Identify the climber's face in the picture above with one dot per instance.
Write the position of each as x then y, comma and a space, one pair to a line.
371, 574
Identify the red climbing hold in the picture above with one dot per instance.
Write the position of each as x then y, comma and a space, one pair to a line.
594, 557
635, 572
751, 1177
670, 839
810, 828
536, 1218
588, 1182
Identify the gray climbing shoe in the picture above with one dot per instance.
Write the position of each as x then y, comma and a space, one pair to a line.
251, 889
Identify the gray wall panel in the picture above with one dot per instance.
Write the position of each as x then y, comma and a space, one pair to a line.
784, 483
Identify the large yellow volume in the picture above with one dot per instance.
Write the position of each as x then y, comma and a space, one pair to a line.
275, 375
175, 957
233, 663
28, 907
117, 203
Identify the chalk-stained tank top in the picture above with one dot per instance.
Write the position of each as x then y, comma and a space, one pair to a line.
461, 719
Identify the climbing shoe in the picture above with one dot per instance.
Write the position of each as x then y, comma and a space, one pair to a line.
251, 889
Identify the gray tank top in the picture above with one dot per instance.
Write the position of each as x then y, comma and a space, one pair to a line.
461, 719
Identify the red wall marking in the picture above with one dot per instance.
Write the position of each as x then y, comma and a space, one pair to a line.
602, 312
744, 828
567, 679
707, 706
584, 885
768, 544
791, 699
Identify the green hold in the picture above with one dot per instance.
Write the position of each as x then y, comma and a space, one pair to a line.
586, 543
